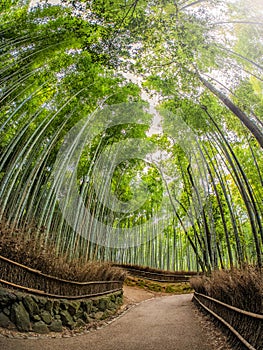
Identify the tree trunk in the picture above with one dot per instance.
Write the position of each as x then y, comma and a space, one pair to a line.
235, 109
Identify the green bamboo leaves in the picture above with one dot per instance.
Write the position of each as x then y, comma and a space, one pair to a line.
60, 64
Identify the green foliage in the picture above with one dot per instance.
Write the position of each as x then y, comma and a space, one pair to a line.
59, 63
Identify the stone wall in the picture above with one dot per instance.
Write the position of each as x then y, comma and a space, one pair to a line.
28, 312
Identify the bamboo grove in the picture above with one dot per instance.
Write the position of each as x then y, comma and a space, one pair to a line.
199, 64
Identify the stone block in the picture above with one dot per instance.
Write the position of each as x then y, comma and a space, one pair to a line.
55, 326
6, 298
80, 323
6, 311
113, 297
56, 307
20, 317
87, 305
98, 315
103, 304
119, 300
42, 302
73, 307
5, 321
112, 306
94, 309
36, 318
49, 305
30, 305
40, 327
66, 319
79, 314
46, 317
63, 304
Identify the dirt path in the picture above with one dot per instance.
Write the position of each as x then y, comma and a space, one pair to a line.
135, 295
169, 322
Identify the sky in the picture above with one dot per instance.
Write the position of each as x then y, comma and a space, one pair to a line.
34, 2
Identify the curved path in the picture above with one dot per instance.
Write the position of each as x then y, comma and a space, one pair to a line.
163, 323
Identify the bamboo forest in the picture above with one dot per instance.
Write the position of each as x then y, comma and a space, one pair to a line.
132, 131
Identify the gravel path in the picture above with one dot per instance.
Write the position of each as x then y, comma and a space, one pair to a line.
161, 323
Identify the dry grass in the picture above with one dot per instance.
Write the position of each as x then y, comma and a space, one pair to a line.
242, 288
36, 254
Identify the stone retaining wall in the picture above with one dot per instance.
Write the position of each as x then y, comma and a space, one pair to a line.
27, 312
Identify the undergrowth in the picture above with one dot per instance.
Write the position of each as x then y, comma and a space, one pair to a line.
160, 287
33, 252
242, 288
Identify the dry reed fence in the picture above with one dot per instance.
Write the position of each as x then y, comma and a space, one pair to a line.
244, 328
158, 275
18, 276
235, 300
28, 262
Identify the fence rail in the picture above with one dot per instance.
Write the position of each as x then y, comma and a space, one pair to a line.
159, 276
18, 276
245, 326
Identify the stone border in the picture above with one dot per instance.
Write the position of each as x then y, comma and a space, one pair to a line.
26, 312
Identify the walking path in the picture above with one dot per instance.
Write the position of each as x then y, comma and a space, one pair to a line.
161, 323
